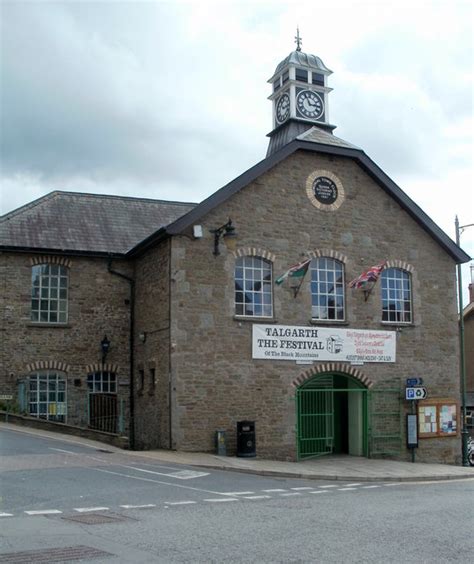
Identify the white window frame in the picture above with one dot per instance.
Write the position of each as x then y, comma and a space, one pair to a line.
392, 282
253, 279
49, 293
102, 382
47, 392
324, 278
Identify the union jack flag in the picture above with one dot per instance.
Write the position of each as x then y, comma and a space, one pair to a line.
370, 275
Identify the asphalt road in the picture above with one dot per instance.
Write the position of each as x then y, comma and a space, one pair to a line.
62, 501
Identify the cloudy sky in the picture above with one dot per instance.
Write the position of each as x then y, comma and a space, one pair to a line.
168, 100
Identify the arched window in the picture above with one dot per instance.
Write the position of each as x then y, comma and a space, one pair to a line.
396, 296
327, 289
49, 293
47, 395
253, 287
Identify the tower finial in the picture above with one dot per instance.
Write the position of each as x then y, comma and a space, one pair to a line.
298, 39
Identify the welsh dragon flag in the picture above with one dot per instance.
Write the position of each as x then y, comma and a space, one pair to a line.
295, 271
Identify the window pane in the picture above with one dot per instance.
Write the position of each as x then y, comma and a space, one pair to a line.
327, 277
396, 296
253, 286
45, 281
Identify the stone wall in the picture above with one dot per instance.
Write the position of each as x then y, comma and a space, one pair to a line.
152, 345
99, 304
217, 382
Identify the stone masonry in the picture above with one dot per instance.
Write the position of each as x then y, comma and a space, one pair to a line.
215, 380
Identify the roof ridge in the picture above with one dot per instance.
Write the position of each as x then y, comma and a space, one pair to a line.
56, 193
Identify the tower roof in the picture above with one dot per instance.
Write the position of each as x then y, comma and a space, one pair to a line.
303, 60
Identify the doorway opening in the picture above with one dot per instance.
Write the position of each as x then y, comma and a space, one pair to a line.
332, 416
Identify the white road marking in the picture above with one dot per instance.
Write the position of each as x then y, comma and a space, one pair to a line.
302, 488
188, 474
370, 487
352, 485
181, 475
346, 489
221, 500
274, 490
181, 502
331, 486
6, 514
62, 450
90, 509
237, 493
44, 512
258, 497
288, 494
155, 481
388, 485
319, 492
138, 506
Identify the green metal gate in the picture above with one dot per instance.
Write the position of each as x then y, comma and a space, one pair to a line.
377, 430
385, 422
318, 425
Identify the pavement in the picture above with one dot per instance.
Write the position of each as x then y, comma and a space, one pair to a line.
340, 467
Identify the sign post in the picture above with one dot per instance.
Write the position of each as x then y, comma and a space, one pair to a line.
413, 392
416, 393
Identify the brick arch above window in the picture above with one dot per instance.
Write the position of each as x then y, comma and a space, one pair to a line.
48, 365
48, 259
99, 367
402, 265
254, 252
332, 367
328, 253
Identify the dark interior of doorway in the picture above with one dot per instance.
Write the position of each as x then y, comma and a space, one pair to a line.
341, 416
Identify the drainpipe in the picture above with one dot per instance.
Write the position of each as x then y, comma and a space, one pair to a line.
131, 281
170, 379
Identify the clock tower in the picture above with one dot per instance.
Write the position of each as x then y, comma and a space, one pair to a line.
299, 97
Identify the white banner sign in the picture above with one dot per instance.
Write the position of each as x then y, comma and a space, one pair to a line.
286, 342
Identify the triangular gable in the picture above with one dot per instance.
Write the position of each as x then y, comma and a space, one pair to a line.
318, 141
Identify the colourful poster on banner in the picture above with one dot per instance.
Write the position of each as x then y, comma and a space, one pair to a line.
298, 343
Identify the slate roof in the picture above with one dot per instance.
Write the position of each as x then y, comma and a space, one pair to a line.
86, 223
317, 135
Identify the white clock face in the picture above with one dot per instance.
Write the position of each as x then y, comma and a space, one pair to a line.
310, 104
283, 108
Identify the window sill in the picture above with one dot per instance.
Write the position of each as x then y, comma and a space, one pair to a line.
327, 322
50, 325
399, 325
255, 319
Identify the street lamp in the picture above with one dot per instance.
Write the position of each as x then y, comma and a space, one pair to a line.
229, 235
105, 347
464, 431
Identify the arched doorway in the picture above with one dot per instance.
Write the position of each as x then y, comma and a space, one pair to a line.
332, 416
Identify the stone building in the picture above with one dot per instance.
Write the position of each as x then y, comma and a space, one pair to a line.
469, 355
133, 316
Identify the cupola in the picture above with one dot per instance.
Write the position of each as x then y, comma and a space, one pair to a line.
299, 97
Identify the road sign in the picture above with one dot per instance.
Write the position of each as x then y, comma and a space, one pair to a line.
414, 382
415, 393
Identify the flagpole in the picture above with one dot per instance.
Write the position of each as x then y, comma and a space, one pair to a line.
464, 431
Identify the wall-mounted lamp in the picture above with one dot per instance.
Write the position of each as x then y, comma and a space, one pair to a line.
105, 347
228, 233
142, 336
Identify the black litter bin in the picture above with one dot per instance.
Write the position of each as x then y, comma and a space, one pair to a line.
246, 446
